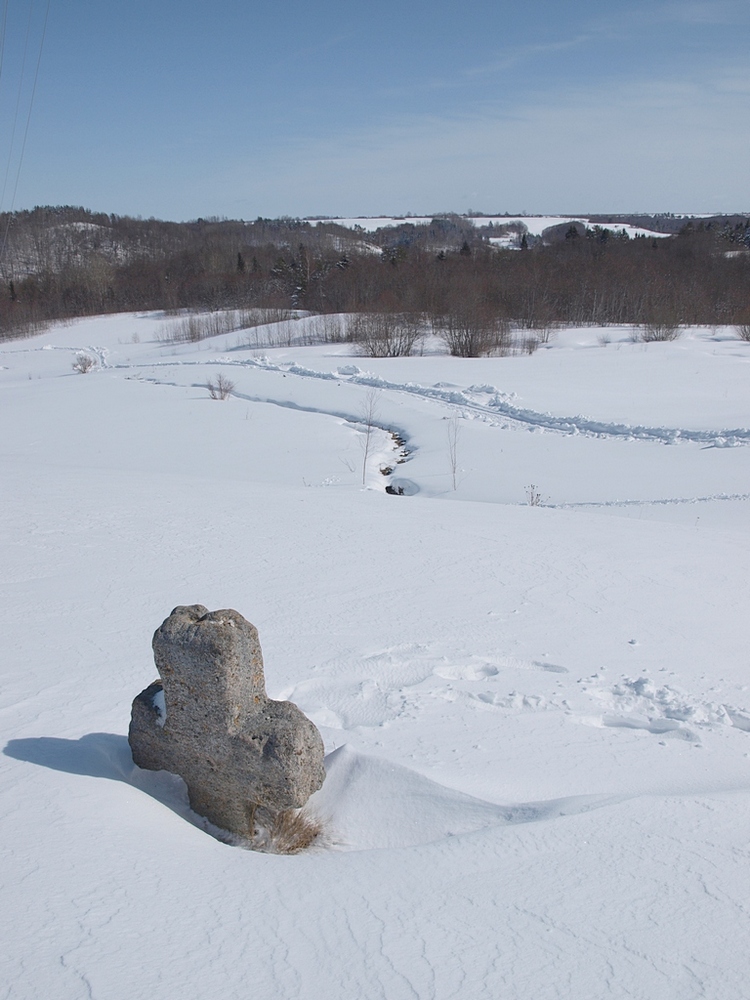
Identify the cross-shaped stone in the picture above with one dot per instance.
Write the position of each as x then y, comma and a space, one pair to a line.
243, 756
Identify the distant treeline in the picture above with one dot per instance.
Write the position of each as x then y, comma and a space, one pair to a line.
65, 262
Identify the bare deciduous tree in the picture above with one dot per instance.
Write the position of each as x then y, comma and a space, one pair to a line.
454, 429
368, 417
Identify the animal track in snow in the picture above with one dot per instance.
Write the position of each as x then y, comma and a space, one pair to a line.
483, 669
367, 690
517, 702
664, 501
468, 672
486, 402
401, 681
639, 703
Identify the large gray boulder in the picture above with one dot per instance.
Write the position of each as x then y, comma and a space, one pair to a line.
245, 759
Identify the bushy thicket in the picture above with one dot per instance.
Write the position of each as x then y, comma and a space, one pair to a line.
70, 262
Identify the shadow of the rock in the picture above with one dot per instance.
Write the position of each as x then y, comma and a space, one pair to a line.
99, 755
107, 755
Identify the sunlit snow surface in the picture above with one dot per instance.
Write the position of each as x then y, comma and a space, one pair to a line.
537, 718
534, 224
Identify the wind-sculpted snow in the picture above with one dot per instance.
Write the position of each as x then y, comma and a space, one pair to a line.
373, 803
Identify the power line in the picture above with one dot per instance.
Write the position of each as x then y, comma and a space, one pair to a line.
28, 120
2, 36
18, 104
31, 105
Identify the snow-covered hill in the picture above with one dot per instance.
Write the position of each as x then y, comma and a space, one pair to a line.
535, 225
537, 715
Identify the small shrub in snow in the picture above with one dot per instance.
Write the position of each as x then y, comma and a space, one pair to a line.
384, 335
471, 331
743, 331
659, 330
533, 496
83, 363
220, 387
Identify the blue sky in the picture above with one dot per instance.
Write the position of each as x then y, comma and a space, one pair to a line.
180, 110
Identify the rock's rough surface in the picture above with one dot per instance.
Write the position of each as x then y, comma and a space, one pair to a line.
244, 758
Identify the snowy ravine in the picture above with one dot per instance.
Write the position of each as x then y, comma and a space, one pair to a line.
537, 718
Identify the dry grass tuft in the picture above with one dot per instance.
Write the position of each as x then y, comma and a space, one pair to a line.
291, 832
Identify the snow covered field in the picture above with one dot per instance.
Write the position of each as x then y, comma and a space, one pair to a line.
537, 716
535, 224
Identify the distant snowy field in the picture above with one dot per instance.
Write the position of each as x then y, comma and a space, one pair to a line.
535, 224
537, 716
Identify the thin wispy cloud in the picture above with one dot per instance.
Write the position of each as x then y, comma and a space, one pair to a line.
524, 54
462, 77
674, 12
704, 12
657, 145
